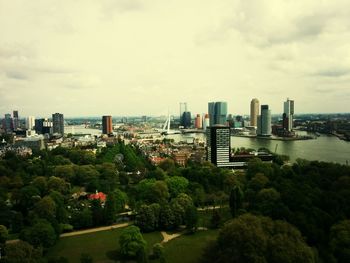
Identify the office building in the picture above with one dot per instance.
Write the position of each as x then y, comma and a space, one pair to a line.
198, 122
7, 123
288, 112
218, 145
217, 113
183, 108
58, 123
30, 122
264, 121
107, 125
186, 120
254, 112
15, 120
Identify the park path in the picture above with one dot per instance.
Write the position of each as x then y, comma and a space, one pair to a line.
86, 231
167, 237
96, 229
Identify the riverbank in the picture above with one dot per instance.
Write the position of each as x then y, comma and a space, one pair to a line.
274, 138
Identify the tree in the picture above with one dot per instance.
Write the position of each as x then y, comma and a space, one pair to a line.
166, 217
215, 219
147, 217
191, 218
250, 238
97, 213
22, 252
340, 241
3, 234
236, 199
110, 209
40, 183
177, 185
46, 208
158, 252
40, 234
57, 184
120, 199
131, 242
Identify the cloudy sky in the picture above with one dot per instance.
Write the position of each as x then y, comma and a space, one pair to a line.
143, 57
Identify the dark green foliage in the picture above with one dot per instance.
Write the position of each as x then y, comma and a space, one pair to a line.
132, 244
3, 234
86, 258
250, 238
22, 252
191, 218
40, 234
340, 241
236, 200
148, 217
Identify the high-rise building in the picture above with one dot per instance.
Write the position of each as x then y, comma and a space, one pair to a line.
107, 125
198, 122
186, 119
15, 120
7, 123
183, 108
254, 112
219, 145
264, 121
206, 121
217, 113
288, 112
43, 126
58, 123
30, 122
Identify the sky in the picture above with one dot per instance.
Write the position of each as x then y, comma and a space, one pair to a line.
144, 57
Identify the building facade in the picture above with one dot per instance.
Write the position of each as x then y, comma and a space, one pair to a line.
288, 112
198, 122
107, 125
217, 113
30, 122
58, 123
254, 112
219, 145
264, 121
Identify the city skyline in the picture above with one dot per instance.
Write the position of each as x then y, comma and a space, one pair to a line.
71, 54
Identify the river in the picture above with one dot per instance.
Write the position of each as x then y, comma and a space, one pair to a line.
324, 148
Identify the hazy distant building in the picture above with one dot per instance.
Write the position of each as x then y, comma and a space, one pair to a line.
107, 125
254, 112
7, 123
219, 145
217, 113
288, 112
198, 122
30, 122
183, 108
15, 120
264, 121
186, 120
206, 121
58, 123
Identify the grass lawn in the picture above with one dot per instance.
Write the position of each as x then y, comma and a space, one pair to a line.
188, 248
102, 246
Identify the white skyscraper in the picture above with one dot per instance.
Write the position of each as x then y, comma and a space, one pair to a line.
264, 121
30, 122
288, 112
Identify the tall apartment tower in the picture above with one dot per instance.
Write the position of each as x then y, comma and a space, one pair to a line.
30, 122
183, 108
217, 113
15, 120
288, 112
8, 123
254, 112
219, 145
264, 121
58, 123
107, 126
